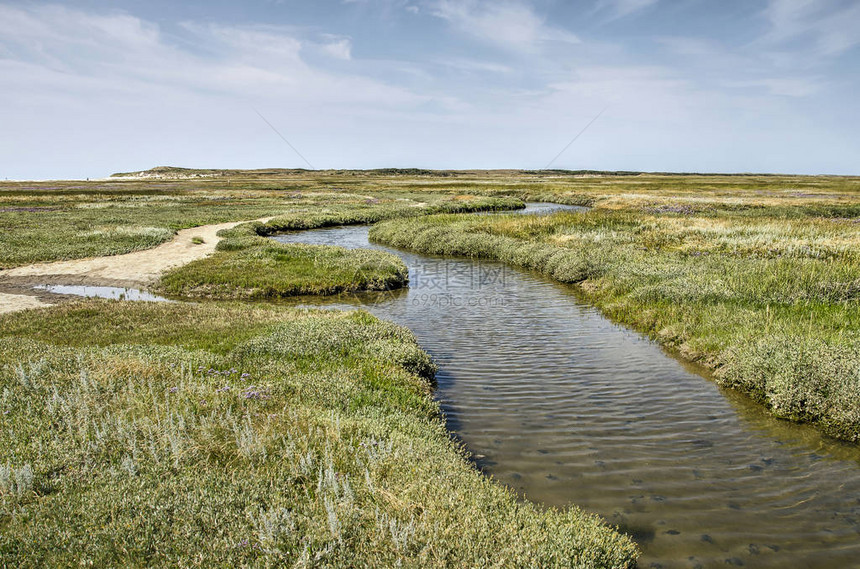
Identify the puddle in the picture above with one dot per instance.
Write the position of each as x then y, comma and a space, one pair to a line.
109, 292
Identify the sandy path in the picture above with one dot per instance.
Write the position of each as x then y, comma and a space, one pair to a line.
15, 302
132, 269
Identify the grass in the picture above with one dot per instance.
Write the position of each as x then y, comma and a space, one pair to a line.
130, 436
42, 221
152, 434
249, 269
45, 221
249, 266
767, 295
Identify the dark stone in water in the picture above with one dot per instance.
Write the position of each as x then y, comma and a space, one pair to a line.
702, 443
639, 534
707, 539
543, 451
735, 561
673, 532
755, 467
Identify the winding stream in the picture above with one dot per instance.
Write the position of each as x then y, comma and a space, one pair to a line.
568, 408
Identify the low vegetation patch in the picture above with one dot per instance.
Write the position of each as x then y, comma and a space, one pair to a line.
152, 434
261, 268
371, 213
42, 221
767, 296
247, 265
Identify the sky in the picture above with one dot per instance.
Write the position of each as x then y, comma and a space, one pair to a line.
92, 87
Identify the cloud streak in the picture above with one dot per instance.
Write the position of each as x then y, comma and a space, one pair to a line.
510, 24
622, 8
829, 26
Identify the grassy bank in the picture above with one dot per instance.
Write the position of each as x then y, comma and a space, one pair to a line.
371, 213
247, 269
223, 435
248, 265
767, 296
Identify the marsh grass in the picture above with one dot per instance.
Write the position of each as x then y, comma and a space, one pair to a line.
767, 296
248, 265
70, 220
137, 434
262, 268
45, 221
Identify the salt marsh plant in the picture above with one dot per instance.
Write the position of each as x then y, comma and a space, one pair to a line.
248, 265
765, 296
71, 220
16, 482
287, 437
262, 268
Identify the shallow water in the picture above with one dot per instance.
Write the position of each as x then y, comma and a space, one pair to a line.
110, 292
568, 408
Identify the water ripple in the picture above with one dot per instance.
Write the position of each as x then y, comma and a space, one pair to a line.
566, 407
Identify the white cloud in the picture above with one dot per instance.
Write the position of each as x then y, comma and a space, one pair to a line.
337, 46
387, 8
510, 24
831, 26
622, 8
474, 65
745, 67
101, 92
632, 92
69, 47
784, 86
117, 90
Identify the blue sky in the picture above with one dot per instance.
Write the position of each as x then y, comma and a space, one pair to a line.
92, 87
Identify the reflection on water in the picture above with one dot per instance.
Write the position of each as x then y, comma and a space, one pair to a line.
111, 292
567, 407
